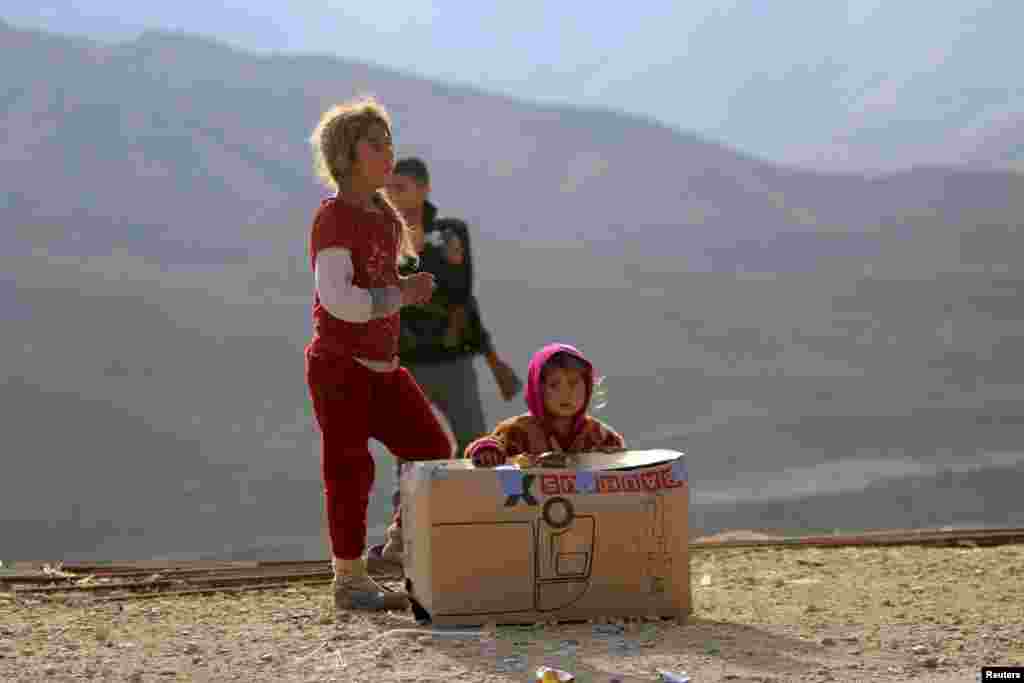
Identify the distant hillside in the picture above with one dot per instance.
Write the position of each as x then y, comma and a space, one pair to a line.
196, 142
852, 86
154, 287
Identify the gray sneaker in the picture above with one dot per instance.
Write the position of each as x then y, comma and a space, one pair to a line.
376, 564
394, 549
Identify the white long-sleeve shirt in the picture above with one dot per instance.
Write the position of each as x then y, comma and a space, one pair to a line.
333, 275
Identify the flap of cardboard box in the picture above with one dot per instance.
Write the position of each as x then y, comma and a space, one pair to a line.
625, 460
584, 474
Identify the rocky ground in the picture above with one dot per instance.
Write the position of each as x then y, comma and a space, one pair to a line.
781, 614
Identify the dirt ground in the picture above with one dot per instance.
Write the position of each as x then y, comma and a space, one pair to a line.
781, 614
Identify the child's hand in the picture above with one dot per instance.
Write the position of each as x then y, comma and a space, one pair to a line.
488, 457
417, 288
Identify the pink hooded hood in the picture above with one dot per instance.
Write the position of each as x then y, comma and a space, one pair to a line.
535, 392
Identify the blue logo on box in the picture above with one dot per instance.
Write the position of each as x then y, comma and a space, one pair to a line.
516, 486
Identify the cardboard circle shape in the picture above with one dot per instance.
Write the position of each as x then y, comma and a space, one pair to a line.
562, 518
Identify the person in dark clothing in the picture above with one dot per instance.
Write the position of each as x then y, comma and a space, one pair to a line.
439, 340
422, 339
447, 263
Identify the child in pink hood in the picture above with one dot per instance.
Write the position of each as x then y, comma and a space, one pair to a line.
560, 384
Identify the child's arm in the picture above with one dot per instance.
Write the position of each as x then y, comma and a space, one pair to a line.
334, 274
507, 440
333, 241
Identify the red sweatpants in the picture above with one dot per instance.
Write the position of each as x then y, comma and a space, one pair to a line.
353, 404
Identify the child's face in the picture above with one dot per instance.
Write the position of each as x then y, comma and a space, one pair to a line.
407, 193
375, 155
565, 390
454, 253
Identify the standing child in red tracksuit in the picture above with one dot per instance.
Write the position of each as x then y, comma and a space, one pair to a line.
358, 389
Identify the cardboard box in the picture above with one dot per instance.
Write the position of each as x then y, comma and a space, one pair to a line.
607, 538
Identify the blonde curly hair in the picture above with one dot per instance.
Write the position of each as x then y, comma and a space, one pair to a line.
334, 147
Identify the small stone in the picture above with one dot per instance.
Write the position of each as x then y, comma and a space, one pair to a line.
268, 657
384, 654
828, 642
931, 662
919, 650
191, 649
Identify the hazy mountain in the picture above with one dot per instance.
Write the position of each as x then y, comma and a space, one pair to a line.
875, 91
852, 85
155, 292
